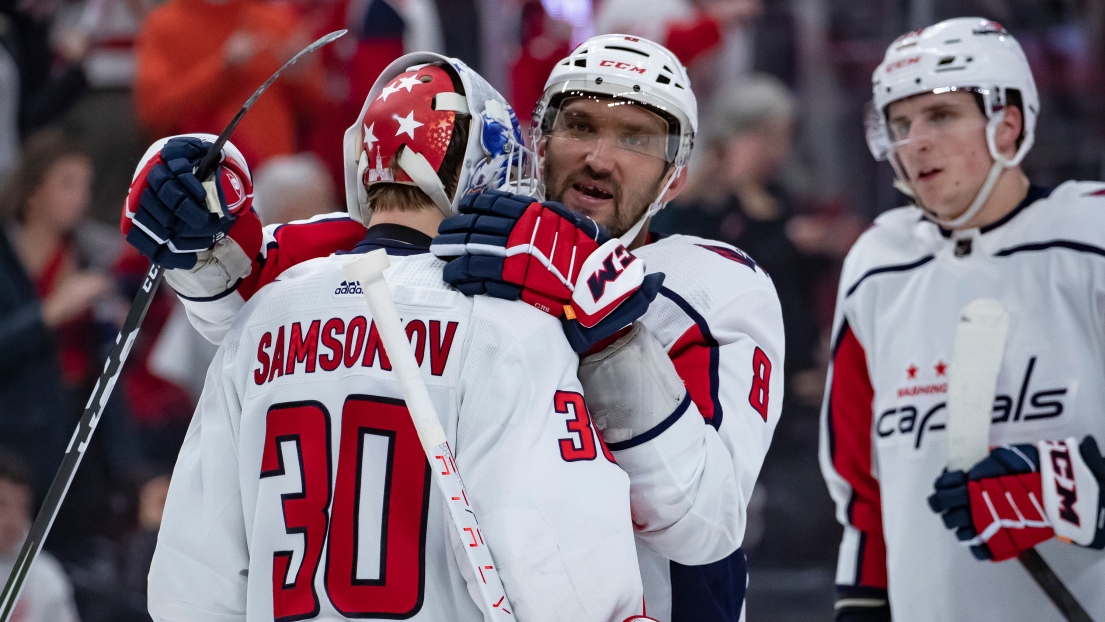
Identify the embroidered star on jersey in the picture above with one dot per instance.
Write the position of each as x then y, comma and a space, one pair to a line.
407, 124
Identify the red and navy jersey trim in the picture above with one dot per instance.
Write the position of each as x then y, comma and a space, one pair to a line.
884, 269
732, 254
1041, 246
656, 430
848, 424
711, 411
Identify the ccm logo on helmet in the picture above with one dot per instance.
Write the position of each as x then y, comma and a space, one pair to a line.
620, 65
905, 62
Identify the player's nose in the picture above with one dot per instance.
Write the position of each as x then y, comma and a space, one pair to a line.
601, 155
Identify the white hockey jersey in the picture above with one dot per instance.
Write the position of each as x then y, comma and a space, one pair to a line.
883, 440
720, 320
302, 492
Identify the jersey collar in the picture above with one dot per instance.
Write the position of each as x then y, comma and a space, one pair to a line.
394, 239
1035, 193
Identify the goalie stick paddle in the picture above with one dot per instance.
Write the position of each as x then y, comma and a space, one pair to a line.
101, 393
976, 360
369, 270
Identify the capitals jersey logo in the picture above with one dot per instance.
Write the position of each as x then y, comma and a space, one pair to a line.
916, 419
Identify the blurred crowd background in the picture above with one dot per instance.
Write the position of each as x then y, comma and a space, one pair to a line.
780, 169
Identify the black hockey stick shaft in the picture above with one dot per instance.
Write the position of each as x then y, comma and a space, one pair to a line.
93, 410
79, 442
1053, 586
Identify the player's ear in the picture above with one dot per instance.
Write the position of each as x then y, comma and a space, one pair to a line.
677, 185
1008, 133
541, 146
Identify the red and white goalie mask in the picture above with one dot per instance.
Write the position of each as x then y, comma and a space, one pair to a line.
408, 121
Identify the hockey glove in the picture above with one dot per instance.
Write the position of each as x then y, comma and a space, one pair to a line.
169, 215
1022, 495
510, 246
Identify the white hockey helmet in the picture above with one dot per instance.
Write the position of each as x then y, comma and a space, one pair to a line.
494, 158
964, 53
624, 67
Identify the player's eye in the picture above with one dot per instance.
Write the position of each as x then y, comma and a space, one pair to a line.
899, 129
940, 117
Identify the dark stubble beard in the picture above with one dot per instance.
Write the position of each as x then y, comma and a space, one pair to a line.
624, 216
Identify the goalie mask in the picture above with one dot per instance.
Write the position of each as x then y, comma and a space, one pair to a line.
962, 54
625, 70
407, 123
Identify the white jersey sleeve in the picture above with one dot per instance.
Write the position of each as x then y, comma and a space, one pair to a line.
200, 566
239, 265
300, 389
692, 476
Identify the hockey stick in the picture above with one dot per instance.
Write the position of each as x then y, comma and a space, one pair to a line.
369, 270
976, 360
93, 410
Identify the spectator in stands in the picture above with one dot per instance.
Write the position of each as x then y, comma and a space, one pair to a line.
51, 72
543, 42
43, 291
199, 60
58, 313
47, 594
713, 38
103, 120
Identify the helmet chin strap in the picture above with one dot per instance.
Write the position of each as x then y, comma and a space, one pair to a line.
658, 204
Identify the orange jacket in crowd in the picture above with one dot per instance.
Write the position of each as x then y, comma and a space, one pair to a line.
185, 84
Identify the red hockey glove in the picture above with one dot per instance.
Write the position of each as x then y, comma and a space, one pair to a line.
1022, 495
511, 247
169, 215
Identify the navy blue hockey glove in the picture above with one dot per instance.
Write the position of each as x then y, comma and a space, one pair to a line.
169, 215
1022, 495
511, 247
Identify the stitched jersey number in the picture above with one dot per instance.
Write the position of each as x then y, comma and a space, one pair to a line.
761, 379
582, 447
374, 561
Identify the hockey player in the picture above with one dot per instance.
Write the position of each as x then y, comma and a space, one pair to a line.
302, 490
688, 398
955, 109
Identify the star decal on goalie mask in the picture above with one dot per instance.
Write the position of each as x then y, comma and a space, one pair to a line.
407, 124
369, 137
388, 90
408, 83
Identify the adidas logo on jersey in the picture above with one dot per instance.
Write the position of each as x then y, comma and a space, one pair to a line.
346, 287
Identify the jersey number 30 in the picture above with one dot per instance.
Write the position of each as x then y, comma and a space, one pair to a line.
374, 563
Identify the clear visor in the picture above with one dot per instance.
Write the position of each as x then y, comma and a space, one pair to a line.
587, 121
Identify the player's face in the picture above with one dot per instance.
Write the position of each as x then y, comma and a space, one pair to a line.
940, 144
15, 513
606, 160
